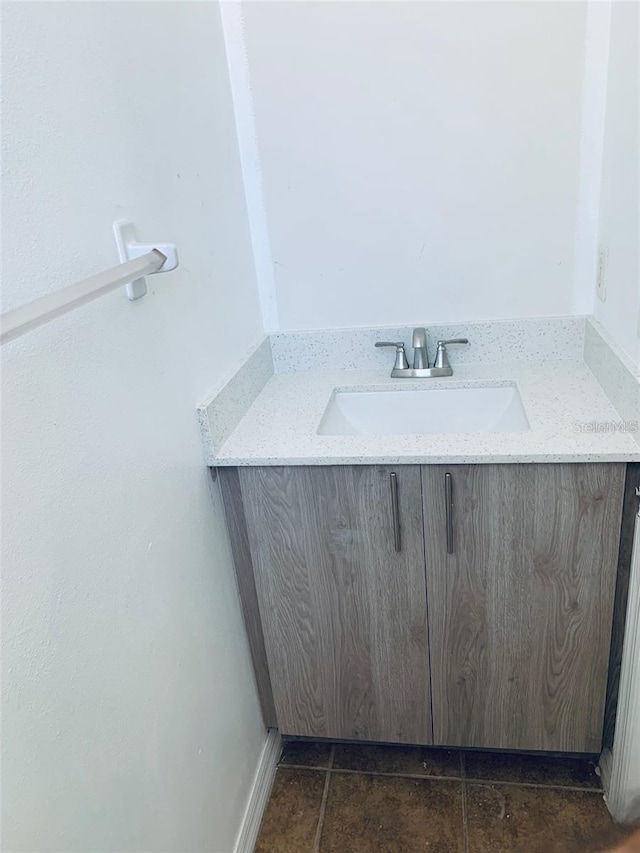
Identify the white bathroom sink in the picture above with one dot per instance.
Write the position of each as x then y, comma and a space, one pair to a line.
428, 411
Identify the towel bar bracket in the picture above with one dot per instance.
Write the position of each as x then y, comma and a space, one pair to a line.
129, 249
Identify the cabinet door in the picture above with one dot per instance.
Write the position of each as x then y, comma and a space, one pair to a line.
343, 611
521, 610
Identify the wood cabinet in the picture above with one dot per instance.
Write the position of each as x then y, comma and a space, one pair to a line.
492, 613
344, 613
521, 610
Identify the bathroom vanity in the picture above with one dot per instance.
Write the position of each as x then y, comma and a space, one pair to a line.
466, 605
405, 579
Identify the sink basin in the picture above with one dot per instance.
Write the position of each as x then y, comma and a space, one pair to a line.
428, 411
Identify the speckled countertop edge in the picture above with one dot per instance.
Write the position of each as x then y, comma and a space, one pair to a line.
570, 416
521, 341
261, 418
614, 370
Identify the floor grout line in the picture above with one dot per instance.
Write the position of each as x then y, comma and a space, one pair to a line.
374, 773
465, 819
323, 804
433, 778
465, 823
536, 785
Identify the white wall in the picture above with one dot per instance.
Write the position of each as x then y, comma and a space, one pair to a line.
420, 160
620, 200
130, 716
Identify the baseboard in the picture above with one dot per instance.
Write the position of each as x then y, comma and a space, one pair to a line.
259, 795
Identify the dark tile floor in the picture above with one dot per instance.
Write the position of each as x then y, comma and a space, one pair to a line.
348, 798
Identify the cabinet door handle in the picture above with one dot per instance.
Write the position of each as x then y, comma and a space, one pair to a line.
395, 511
448, 494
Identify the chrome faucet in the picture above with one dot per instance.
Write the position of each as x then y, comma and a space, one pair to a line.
421, 370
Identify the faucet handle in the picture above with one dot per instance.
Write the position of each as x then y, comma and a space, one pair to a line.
401, 356
453, 341
442, 359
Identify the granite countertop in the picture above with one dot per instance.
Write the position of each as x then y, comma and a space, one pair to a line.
571, 420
